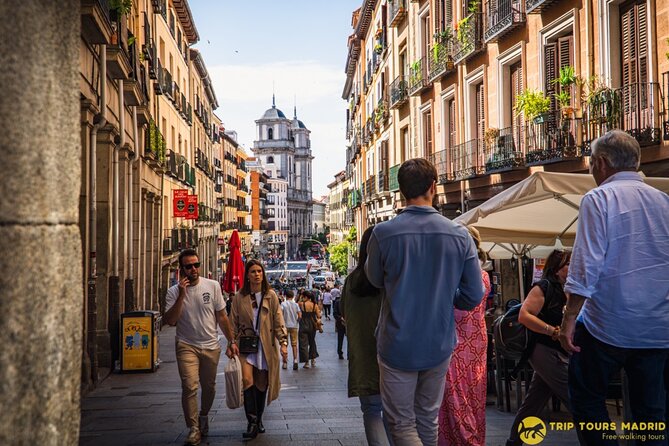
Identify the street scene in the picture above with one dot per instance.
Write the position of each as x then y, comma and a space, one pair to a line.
384, 222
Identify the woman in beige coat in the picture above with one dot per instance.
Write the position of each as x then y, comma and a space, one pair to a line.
260, 371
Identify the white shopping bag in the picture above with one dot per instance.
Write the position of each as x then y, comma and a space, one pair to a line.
233, 384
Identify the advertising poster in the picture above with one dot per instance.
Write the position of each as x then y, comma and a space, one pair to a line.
179, 208
192, 210
136, 339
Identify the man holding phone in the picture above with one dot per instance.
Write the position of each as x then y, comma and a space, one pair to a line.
196, 306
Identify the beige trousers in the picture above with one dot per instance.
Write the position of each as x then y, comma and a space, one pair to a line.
197, 367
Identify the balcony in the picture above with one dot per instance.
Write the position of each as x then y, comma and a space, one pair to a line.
95, 21
393, 184
383, 182
553, 137
155, 146
441, 60
536, 6
467, 159
370, 189
118, 58
502, 17
469, 38
355, 200
440, 161
399, 92
418, 80
398, 11
504, 149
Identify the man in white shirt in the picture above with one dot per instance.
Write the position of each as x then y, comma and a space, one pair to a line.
291, 316
195, 305
327, 303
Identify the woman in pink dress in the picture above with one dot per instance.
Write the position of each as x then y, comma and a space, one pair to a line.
462, 412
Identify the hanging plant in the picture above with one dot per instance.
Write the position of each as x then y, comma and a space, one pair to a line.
121, 7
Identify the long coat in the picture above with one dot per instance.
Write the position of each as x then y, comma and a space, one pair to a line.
272, 332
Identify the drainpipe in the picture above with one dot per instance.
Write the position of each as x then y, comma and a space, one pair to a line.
99, 121
128, 254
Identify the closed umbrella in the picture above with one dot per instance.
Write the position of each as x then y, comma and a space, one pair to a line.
234, 273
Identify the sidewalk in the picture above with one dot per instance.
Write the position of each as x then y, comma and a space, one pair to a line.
313, 408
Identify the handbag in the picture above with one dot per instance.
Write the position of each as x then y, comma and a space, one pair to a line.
233, 384
249, 343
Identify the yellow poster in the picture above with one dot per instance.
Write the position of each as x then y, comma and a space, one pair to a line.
136, 341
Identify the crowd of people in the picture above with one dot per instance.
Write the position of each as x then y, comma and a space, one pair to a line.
412, 314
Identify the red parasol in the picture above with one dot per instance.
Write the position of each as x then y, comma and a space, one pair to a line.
234, 274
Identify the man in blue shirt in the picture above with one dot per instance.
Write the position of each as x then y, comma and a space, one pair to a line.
618, 281
427, 265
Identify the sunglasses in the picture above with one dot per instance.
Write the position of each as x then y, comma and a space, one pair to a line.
191, 266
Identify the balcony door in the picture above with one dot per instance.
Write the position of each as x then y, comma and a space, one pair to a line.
516, 85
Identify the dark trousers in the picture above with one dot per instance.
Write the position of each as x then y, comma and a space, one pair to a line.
590, 372
340, 341
307, 341
326, 309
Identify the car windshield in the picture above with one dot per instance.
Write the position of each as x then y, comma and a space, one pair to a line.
296, 266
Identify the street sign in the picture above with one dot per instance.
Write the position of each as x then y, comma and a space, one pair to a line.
192, 209
179, 202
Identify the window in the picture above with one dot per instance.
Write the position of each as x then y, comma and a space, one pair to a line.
443, 15
172, 23
451, 135
557, 54
516, 87
634, 43
270, 133
427, 132
480, 111
425, 35
404, 144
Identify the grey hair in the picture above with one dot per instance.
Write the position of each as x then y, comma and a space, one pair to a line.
619, 149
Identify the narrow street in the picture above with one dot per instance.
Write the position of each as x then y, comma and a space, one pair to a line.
313, 409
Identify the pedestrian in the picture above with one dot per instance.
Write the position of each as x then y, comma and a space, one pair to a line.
195, 305
291, 315
360, 304
308, 326
340, 326
327, 303
335, 292
541, 313
256, 312
618, 289
426, 265
462, 413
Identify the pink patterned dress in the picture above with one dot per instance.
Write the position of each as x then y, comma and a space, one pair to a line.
462, 412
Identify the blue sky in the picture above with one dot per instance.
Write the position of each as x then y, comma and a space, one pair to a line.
300, 46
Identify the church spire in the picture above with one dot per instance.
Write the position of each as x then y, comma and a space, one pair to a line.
295, 107
273, 101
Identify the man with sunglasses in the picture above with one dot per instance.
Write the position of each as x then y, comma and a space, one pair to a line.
196, 306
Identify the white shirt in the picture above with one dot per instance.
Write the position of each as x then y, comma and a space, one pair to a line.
290, 310
257, 359
198, 325
327, 298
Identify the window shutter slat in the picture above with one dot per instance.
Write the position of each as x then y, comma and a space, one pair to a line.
550, 62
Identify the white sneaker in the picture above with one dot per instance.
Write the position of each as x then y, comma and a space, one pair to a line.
194, 436
313, 363
204, 424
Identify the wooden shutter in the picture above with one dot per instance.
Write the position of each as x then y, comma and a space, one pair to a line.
439, 16
451, 123
448, 12
565, 58
634, 36
550, 72
480, 112
427, 128
516, 88
384, 157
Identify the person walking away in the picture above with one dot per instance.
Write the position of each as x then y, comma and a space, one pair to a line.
340, 327
256, 312
327, 303
307, 334
291, 316
462, 413
618, 288
335, 292
195, 305
426, 265
360, 304
541, 313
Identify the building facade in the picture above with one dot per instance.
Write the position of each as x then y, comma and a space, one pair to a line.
492, 91
286, 144
339, 215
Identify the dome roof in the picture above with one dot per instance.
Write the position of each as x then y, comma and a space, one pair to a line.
273, 113
298, 124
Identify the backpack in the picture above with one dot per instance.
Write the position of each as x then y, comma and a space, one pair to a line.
512, 339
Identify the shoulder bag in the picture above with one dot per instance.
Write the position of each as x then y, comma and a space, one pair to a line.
249, 343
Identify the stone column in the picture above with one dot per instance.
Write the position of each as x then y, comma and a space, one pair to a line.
40, 239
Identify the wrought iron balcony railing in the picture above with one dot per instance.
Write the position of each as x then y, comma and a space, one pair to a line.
418, 80
398, 11
553, 137
467, 159
399, 92
370, 188
504, 149
393, 184
502, 16
440, 60
469, 38
536, 6
440, 161
383, 183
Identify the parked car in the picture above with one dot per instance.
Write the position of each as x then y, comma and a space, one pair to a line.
319, 281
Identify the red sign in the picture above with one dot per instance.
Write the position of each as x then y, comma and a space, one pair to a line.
180, 197
192, 209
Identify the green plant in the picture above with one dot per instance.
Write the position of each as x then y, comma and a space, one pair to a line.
490, 136
532, 103
121, 6
443, 36
563, 98
378, 48
416, 72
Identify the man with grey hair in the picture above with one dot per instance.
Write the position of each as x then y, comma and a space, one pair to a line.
619, 288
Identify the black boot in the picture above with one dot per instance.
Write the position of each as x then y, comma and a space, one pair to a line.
260, 406
250, 408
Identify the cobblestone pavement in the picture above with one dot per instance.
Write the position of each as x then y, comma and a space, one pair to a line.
313, 408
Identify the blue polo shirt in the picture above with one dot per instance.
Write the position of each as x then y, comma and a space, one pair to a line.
427, 265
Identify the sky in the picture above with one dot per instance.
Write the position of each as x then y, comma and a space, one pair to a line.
294, 48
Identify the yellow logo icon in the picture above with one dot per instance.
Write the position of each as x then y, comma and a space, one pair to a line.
532, 430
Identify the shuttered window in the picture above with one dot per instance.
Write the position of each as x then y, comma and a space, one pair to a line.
480, 112
427, 133
384, 157
516, 75
634, 35
557, 54
451, 123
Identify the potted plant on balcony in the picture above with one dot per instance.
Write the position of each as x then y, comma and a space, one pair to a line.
490, 137
534, 105
378, 48
416, 73
566, 79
